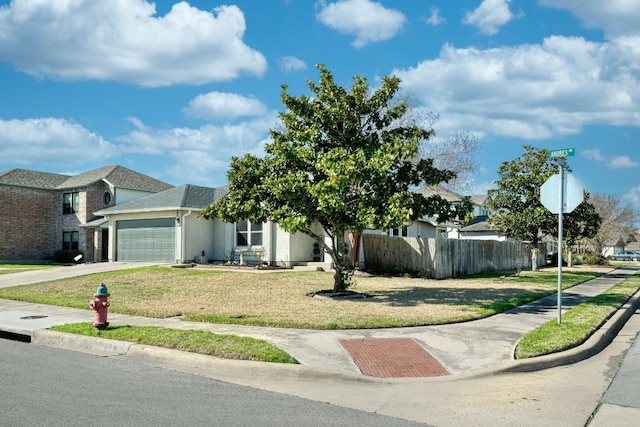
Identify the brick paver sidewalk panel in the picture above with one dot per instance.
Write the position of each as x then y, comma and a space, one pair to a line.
392, 358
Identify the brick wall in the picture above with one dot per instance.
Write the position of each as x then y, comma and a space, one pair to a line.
32, 222
29, 228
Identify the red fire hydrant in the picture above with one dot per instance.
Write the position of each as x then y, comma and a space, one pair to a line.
101, 306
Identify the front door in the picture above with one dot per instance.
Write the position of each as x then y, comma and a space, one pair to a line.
105, 245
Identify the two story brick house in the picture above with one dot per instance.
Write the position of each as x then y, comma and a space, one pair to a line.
41, 213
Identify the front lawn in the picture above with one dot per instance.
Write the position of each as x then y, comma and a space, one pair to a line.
282, 299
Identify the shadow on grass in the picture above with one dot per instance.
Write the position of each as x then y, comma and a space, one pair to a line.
485, 298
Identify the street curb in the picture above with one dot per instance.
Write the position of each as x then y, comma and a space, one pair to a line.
181, 360
93, 345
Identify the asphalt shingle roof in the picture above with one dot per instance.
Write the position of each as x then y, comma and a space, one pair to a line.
184, 196
436, 190
119, 176
32, 179
478, 224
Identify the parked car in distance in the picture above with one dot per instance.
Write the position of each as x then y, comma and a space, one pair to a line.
626, 256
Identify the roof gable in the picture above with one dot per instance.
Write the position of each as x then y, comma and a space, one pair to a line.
479, 199
118, 176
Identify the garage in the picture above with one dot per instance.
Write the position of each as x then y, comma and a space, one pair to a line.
149, 240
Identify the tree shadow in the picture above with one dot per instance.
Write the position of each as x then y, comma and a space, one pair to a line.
486, 298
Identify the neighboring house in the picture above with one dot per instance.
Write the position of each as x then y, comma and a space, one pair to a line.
617, 247
42, 213
480, 205
632, 242
165, 227
479, 229
429, 227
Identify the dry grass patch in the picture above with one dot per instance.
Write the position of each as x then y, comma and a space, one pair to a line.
280, 298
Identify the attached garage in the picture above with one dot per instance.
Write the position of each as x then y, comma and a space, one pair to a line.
149, 240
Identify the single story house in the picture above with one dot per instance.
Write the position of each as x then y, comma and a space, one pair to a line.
165, 227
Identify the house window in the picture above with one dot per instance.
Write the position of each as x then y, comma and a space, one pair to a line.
70, 240
71, 203
248, 234
398, 232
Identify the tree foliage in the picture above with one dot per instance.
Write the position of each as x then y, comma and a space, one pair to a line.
583, 223
519, 212
341, 160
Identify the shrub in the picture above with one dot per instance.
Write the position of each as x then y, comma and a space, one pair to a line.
66, 256
595, 259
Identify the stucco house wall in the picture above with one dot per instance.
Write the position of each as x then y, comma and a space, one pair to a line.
198, 237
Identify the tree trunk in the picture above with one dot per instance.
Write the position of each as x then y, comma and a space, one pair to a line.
342, 276
339, 284
534, 258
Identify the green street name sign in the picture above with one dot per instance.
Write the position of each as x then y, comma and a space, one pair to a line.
563, 152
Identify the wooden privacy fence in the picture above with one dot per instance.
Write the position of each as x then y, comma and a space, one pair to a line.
444, 258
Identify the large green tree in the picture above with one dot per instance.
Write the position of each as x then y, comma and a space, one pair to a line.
342, 159
583, 223
519, 214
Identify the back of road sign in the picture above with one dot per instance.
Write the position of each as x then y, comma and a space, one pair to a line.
550, 196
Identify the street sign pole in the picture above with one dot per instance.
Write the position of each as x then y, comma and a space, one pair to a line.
569, 196
560, 215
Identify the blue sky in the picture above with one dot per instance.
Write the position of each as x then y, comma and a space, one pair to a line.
175, 89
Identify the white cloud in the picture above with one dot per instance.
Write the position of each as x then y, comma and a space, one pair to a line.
435, 18
613, 162
615, 17
593, 154
622, 162
291, 63
489, 16
224, 106
200, 155
126, 41
50, 140
368, 20
633, 197
530, 91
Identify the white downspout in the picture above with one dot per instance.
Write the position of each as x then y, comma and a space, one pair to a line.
183, 237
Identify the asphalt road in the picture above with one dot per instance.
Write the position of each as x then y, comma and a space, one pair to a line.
52, 387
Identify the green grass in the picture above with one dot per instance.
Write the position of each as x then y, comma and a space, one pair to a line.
16, 268
280, 299
202, 342
577, 324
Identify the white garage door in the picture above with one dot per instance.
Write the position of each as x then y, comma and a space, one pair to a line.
151, 240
